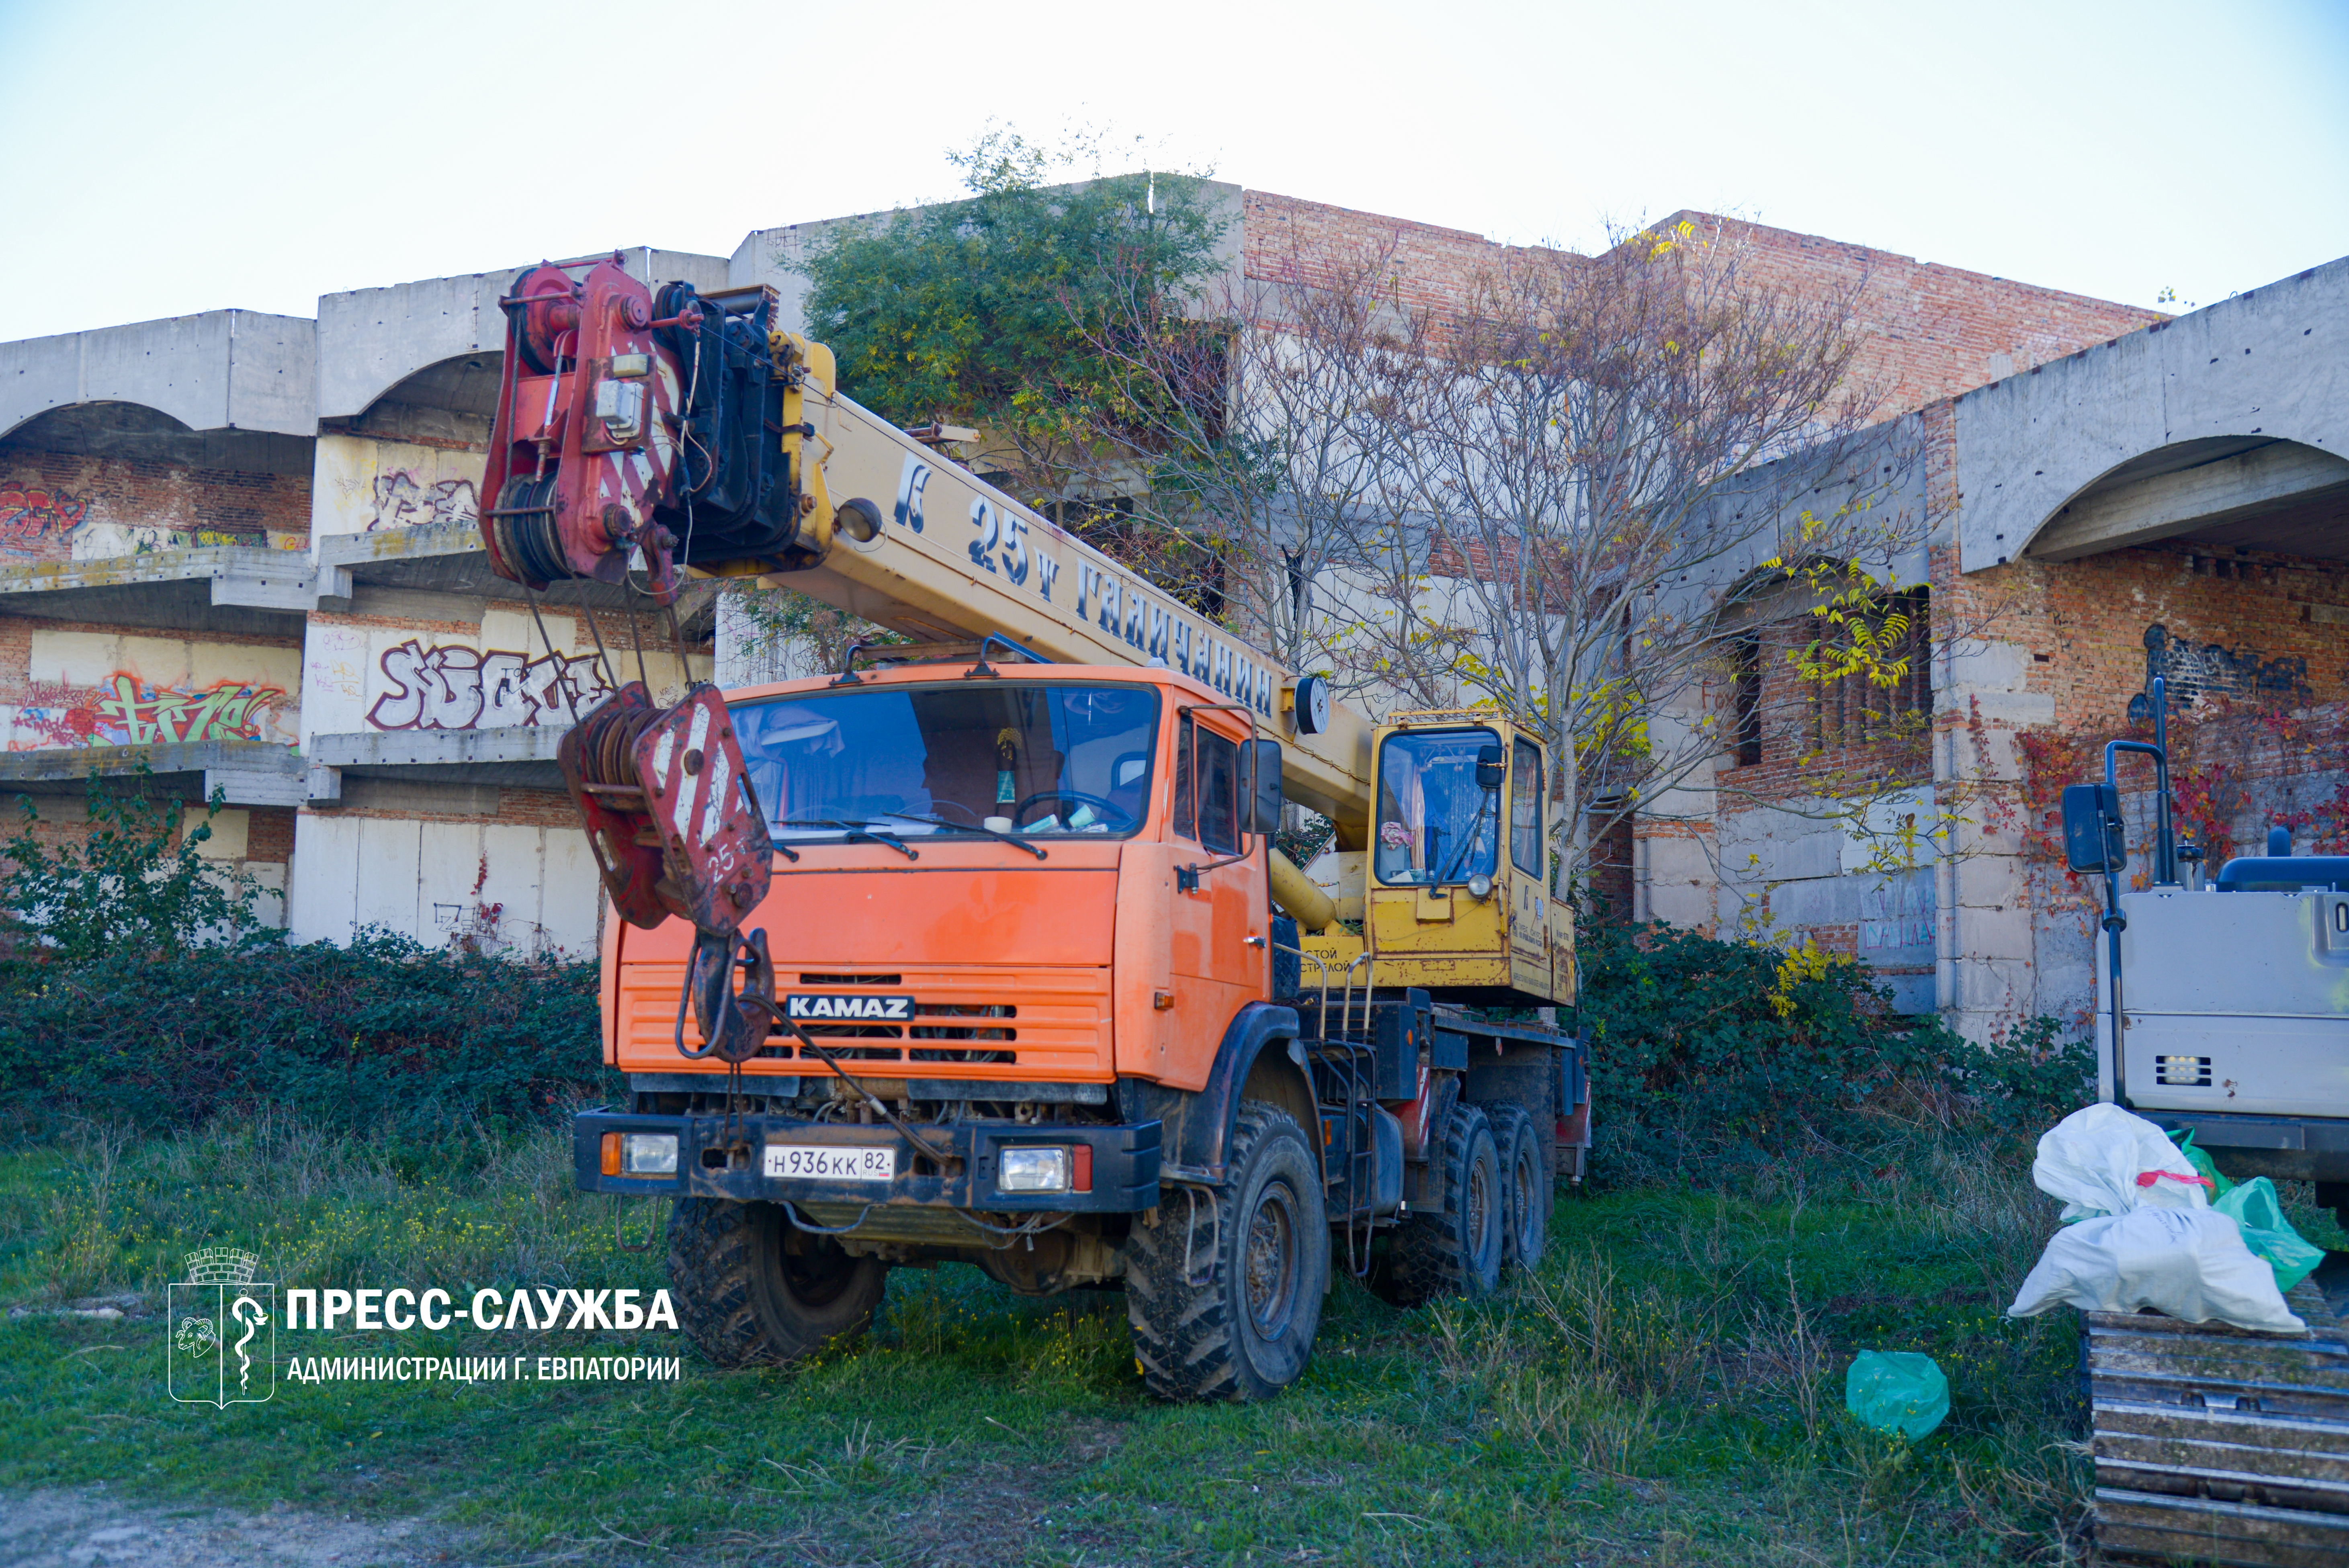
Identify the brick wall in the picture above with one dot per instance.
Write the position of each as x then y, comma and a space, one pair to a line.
1928, 331
1285, 239
2246, 635
57, 506
1820, 738
16, 634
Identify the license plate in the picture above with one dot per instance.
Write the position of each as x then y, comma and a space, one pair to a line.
830, 1162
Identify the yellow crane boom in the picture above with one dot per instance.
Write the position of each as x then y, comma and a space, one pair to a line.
915, 542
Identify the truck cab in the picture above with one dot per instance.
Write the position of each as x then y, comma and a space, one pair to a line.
1456, 882
962, 860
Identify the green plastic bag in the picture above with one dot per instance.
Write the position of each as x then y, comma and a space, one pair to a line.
1897, 1391
2219, 1185
2253, 1205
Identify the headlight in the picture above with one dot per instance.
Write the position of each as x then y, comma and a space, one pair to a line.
1034, 1171
648, 1153
1480, 887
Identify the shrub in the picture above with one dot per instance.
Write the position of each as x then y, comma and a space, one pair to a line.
384, 1036
126, 886
1727, 1052
140, 987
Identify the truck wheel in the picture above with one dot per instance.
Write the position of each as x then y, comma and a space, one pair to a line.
1525, 1187
755, 1290
1261, 1243
1453, 1246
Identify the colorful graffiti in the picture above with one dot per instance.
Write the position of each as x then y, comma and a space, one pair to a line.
29, 516
451, 687
402, 500
124, 710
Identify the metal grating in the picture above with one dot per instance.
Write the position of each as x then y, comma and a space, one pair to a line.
2219, 1445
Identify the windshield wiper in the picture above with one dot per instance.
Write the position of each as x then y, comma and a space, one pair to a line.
855, 832
1035, 849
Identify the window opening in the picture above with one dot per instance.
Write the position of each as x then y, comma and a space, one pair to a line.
1525, 797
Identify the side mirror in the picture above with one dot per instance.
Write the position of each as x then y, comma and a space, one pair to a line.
1488, 768
2094, 838
1261, 808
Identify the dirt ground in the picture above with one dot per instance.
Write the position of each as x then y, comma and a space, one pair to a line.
92, 1529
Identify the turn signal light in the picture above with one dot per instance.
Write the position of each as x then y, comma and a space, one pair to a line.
611, 1154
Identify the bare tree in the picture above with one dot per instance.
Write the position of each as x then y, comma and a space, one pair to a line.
1260, 414
1566, 488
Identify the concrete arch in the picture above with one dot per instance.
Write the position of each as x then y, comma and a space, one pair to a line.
221, 370
450, 400
372, 340
2251, 490
2269, 367
107, 429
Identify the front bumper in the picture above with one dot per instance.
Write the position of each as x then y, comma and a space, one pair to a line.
956, 1170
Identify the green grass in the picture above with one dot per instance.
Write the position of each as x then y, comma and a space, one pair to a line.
1668, 1388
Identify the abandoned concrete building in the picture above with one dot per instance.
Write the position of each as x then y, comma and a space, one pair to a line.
2173, 501
238, 552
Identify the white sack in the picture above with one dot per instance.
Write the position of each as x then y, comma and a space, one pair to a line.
2092, 1159
2190, 1264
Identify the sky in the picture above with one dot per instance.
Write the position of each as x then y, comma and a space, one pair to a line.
185, 156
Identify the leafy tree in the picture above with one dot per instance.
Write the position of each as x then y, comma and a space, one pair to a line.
129, 889
988, 312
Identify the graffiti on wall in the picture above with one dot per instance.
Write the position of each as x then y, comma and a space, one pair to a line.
403, 500
2194, 672
124, 710
27, 517
1896, 919
451, 687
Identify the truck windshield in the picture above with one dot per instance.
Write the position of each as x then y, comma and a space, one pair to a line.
1434, 825
907, 760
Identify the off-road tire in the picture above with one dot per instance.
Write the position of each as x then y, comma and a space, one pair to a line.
1261, 1240
1452, 1246
1525, 1187
755, 1290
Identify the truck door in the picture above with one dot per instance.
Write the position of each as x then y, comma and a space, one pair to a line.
1531, 943
1217, 970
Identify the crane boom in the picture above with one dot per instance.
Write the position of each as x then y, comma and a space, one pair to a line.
948, 556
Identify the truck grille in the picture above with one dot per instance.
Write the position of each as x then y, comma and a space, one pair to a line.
1029, 1025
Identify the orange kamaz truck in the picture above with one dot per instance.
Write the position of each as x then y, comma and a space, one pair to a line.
980, 949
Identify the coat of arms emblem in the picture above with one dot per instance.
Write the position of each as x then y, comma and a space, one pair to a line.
222, 1326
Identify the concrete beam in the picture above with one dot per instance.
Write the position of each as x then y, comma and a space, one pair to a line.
521, 755
2142, 511
250, 772
451, 560
220, 370
169, 587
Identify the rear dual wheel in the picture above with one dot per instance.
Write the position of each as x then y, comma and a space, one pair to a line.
1525, 1187
1451, 1243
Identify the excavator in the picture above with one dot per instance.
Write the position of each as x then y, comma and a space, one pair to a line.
980, 949
2223, 1017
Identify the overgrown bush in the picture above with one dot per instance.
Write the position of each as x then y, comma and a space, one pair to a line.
1725, 1054
132, 883
138, 986
384, 1036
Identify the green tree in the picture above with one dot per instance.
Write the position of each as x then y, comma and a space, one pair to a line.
127, 890
988, 312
